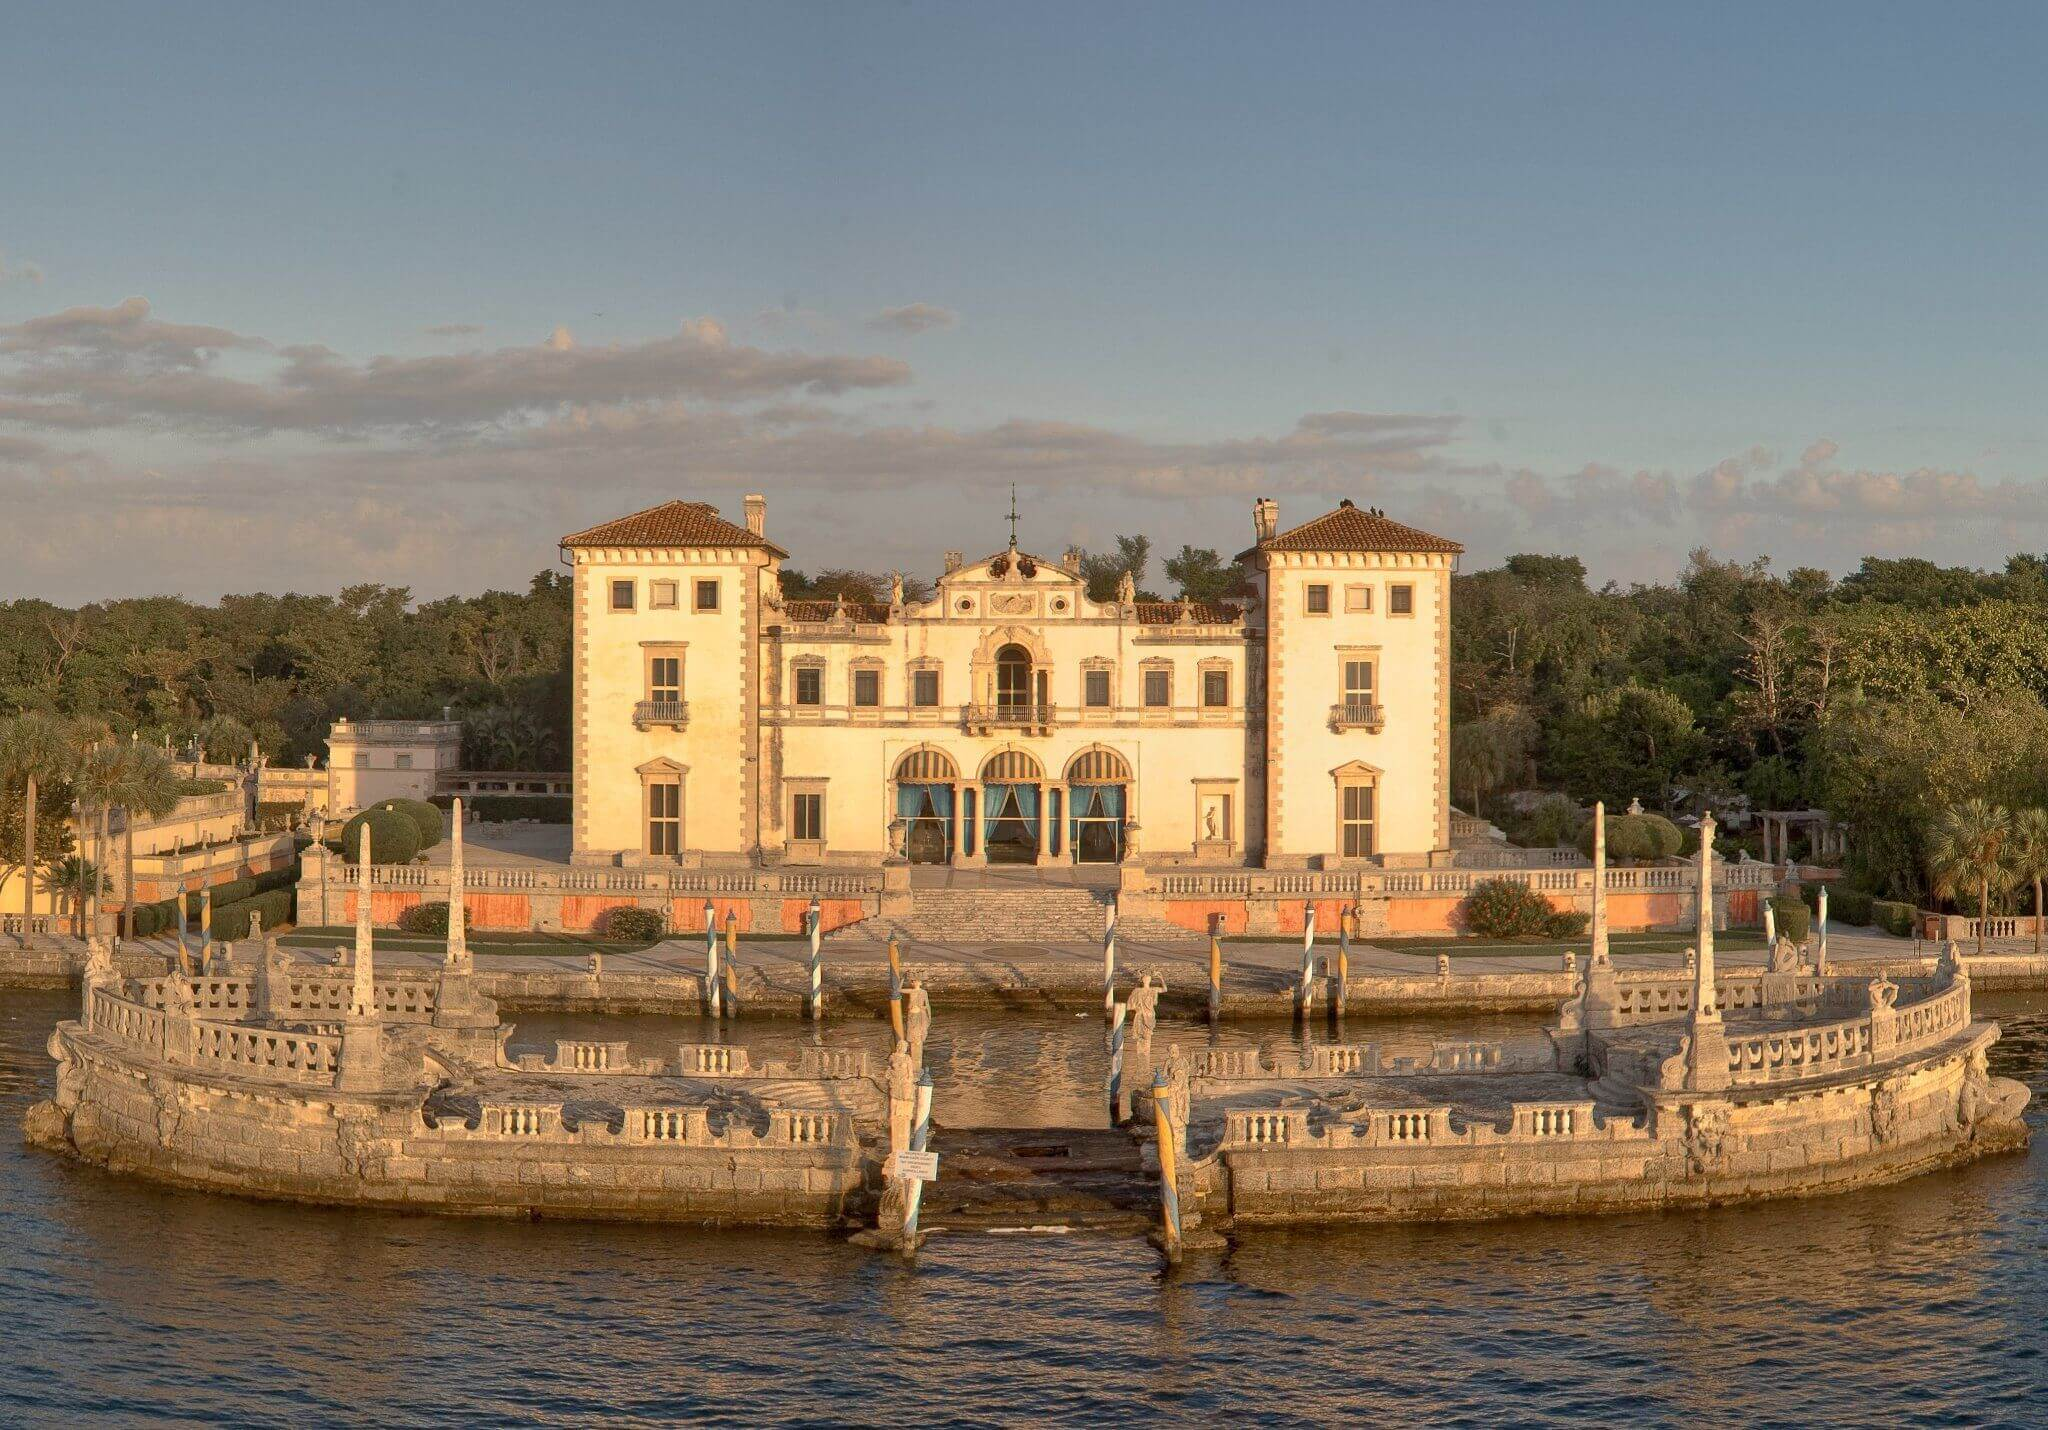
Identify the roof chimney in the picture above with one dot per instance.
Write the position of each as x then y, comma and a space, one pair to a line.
1071, 561
953, 560
1265, 518
757, 512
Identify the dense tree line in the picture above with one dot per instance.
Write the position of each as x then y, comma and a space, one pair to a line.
281, 668
1888, 697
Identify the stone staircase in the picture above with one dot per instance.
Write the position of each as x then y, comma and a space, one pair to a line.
1054, 913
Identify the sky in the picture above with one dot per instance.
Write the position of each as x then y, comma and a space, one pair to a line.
293, 297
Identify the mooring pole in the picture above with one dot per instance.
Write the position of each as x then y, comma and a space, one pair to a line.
1305, 994
920, 1138
205, 930
1169, 1193
1215, 973
1116, 1064
712, 1000
1109, 961
895, 990
1342, 994
817, 963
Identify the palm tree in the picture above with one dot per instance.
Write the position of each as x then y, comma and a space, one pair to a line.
1479, 758
2030, 857
34, 751
145, 783
95, 782
1969, 847
77, 881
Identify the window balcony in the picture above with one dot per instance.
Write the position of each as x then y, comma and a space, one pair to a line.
982, 719
1356, 715
649, 713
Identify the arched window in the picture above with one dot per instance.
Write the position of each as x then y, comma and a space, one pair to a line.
1013, 677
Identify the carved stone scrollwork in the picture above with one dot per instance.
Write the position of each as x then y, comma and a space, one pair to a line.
1884, 1111
1706, 1133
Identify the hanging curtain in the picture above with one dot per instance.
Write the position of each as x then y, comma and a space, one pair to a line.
909, 798
1110, 801
1027, 804
993, 797
942, 800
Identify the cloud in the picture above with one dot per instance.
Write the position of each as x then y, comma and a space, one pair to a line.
19, 270
913, 318
123, 366
453, 330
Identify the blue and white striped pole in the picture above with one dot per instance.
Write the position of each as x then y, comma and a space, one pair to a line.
713, 1002
817, 963
1119, 1021
1305, 995
1109, 961
1820, 962
920, 1137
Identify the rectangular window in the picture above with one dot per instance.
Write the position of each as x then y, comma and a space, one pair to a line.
707, 595
661, 595
1319, 600
665, 678
1357, 819
664, 818
1357, 598
924, 688
807, 816
1095, 689
1358, 685
1158, 688
867, 688
1400, 600
1215, 688
405, 762
810, 685
363, 760
622, 595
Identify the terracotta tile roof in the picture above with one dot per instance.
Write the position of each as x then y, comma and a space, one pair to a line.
1167, 613
673, 523
866, 613
1353, 528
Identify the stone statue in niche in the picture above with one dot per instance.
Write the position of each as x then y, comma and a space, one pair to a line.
1209, 822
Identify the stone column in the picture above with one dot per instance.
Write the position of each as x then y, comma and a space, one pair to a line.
1598, 996
457, 959
362, 1001
1707, 1060
1044, 823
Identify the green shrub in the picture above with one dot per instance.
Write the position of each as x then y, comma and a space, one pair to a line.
431, 919
186, 787
1894, 918
1567, 923
277, 814
1635, 837
1507, 908
394, 837
1845, 905
631, 925
422, 814
148, 920
1794, 922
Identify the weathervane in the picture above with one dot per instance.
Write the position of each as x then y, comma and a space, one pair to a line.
1013, 516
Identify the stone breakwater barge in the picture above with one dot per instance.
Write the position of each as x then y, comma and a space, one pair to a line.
1666, 1089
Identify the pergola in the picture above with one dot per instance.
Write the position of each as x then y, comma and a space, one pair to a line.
1826, 841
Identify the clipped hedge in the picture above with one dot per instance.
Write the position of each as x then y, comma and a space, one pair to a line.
1637, 837
426, 816
424, 918
498, 808
1794, 921
191, 787
631, 925
394, 836
1845, 905
278, 908
1893, 917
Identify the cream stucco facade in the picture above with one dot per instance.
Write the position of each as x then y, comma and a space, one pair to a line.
1009, 719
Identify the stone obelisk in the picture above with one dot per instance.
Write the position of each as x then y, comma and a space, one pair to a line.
1707, 1059
362, 1036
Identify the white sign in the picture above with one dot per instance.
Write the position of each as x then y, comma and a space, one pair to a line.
916, 1166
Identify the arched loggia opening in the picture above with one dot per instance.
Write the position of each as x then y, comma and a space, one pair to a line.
1098, 783
1012, 822
927, 783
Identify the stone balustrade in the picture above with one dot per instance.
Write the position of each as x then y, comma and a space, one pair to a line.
271, 1054
1533, 867
1425, 1128
567, 879
1340, 1060
544, 1122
